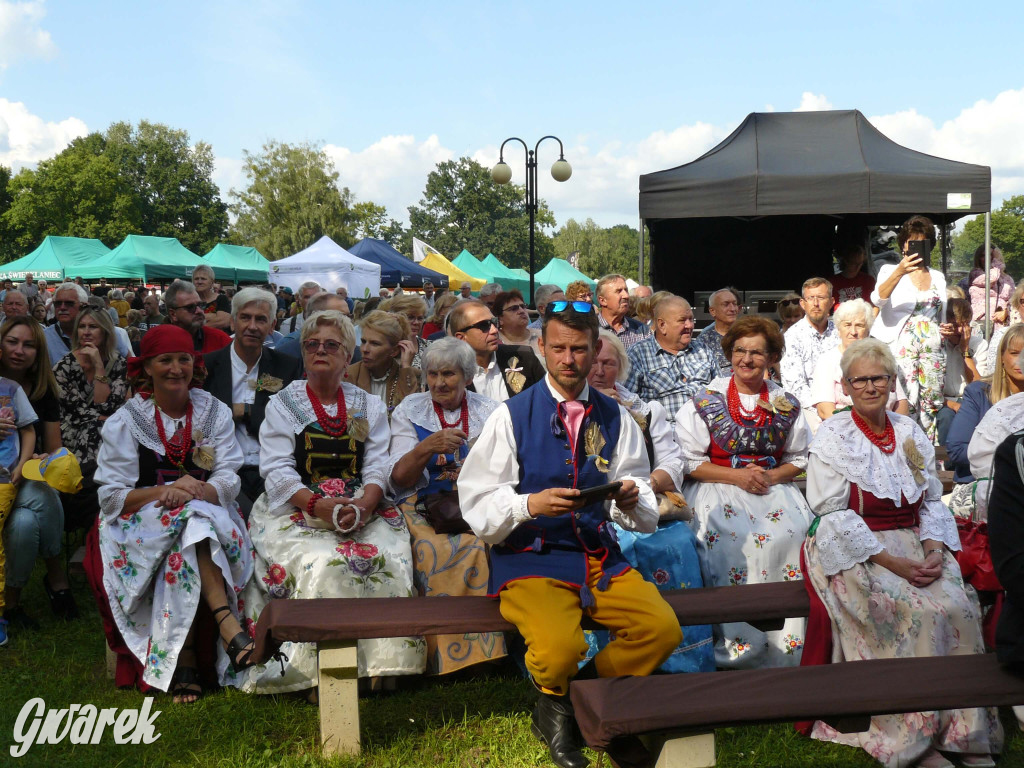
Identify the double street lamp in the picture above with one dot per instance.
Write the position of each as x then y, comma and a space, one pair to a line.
502, 174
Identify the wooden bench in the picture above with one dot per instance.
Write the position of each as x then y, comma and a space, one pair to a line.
335, 625
844, 695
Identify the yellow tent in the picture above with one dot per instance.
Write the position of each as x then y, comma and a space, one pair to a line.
456, 277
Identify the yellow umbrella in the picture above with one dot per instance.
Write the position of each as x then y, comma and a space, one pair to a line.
456, 277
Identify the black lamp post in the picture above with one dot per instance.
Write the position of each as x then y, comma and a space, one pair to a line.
502, 174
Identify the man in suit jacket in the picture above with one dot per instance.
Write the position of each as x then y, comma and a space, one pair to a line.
503, 370
244, 375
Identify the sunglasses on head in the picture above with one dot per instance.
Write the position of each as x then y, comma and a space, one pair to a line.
580, 307
484, 326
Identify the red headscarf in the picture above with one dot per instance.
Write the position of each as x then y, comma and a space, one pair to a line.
161, 340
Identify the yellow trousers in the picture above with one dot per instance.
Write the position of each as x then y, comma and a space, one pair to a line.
8, 492
548, 612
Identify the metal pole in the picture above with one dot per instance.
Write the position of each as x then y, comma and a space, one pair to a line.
531, 203
988, 267
640, 260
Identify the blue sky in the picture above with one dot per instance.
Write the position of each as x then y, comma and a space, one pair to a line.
392, 88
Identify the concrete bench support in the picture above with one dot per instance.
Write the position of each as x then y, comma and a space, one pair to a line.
697, 751
339, 698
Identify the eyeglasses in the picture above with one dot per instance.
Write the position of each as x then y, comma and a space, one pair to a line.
484, 326
67, 304
514, 307
580, 307
878, 382
757, 354
330, 346
190, 308
817, 299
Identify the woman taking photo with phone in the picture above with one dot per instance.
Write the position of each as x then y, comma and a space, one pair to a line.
911, 298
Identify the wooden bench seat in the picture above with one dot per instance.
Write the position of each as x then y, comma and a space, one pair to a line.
336, 624
844, 695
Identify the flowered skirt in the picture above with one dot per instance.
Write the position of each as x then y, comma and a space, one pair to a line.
294, 561
450, 565
878, 615
744, 538
151, 576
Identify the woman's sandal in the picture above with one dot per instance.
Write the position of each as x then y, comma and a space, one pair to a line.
186, 681
241, 647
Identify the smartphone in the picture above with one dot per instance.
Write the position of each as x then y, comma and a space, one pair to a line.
598, 492
920, 248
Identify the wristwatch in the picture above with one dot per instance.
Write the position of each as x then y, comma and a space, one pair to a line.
968, 354
103, 379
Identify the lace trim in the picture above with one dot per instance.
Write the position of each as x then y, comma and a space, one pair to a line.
632, 402
280, 489
299, 409
840, 444
141, 423
843, 540
419, 408
939, 524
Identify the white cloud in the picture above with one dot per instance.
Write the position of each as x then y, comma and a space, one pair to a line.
813, 102
21, 36
25, 139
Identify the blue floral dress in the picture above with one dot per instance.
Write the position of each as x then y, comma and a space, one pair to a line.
921, 360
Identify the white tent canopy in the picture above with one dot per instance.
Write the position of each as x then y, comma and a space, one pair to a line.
330, 265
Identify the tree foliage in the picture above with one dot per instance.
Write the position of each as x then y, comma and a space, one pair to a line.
146, 180
601, 250
1007, 233
293, 199
462, 207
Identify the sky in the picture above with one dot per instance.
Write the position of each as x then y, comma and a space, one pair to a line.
390, 89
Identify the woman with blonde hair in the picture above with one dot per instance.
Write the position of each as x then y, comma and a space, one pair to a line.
383, 370
414, 308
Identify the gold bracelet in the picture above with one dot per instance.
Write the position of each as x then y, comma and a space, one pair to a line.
937, 549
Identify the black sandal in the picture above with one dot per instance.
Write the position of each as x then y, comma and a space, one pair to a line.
241, 647
186, 681
62, 602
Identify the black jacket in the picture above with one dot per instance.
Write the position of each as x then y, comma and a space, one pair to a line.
218, 380
1006, 541
527, 360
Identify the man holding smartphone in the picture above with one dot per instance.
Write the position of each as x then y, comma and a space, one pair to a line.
554, 556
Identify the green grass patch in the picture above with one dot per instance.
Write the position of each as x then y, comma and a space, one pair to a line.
452, 723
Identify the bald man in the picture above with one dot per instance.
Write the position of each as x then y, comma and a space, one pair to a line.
666, 366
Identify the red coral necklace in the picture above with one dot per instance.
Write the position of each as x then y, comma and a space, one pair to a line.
175, 451
736, 410
335, 426
886, 441
462, 421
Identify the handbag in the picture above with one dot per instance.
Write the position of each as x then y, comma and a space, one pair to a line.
443, 513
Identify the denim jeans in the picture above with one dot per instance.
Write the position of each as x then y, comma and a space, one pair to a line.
33, 529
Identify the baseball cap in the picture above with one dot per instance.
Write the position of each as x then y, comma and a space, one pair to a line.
59, 470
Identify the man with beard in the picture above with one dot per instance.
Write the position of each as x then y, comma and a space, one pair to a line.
724, 306
185, 310
68, 300
666, 366
503, 370
553, 555
243, 376
613, 303
809, 339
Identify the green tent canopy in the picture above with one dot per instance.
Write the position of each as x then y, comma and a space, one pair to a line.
142, 257
508, 278
560, 272
471, 265
56, 259
248, 264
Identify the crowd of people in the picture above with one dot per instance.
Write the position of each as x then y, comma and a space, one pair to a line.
242, 446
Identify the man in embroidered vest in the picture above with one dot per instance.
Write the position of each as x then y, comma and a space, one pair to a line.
553, 557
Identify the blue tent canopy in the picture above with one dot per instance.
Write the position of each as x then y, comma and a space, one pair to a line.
395, 269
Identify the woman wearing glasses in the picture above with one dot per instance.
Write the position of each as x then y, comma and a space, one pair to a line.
321, 530
880, 559
744, 439
513, 319
911, 299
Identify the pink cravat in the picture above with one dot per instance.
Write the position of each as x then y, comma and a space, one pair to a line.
574, 411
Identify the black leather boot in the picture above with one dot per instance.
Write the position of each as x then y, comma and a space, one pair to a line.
554, 723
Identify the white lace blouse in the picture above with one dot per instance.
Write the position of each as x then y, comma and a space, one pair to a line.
289, 412
841, 454
1002, 420
667, 455
418, 410
134, 425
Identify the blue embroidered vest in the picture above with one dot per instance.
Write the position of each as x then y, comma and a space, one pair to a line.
557, 547
442, 469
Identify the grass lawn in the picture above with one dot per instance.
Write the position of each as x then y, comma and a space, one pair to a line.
450, 724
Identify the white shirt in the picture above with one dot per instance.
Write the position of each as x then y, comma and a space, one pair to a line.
827, 385
243, 390
1002, 420
493, 507
489, 381
804, 347
894, 312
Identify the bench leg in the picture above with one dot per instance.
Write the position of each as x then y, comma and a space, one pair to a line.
111, 659
339, 698
696, 751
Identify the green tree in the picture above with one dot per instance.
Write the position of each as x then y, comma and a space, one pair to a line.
1007, 233
372, 220
172, 182
462, 207
601, 250
7, 252
291, 201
